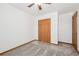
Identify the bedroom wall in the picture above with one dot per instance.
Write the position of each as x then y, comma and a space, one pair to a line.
65, 27
65, 31
16, 27
54, 25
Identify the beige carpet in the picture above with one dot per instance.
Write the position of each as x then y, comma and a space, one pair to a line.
37, 48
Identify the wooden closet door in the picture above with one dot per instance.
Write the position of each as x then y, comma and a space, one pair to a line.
74, 30
44, 30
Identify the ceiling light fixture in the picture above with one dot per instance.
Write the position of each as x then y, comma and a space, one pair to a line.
38, 4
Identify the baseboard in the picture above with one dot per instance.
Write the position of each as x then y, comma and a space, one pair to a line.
17, 47
64, 42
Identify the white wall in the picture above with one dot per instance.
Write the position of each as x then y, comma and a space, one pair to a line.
16, 27
54, 25
65, 27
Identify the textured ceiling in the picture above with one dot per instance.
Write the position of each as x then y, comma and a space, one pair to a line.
54, 7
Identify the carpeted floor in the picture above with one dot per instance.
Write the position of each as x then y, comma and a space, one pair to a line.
37, 48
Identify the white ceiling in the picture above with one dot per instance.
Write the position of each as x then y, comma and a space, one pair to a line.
54, 7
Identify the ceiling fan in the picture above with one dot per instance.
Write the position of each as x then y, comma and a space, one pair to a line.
39, 5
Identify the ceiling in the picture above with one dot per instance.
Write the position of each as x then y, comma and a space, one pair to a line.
54, 7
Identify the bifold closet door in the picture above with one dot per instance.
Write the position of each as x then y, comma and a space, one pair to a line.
44, 29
